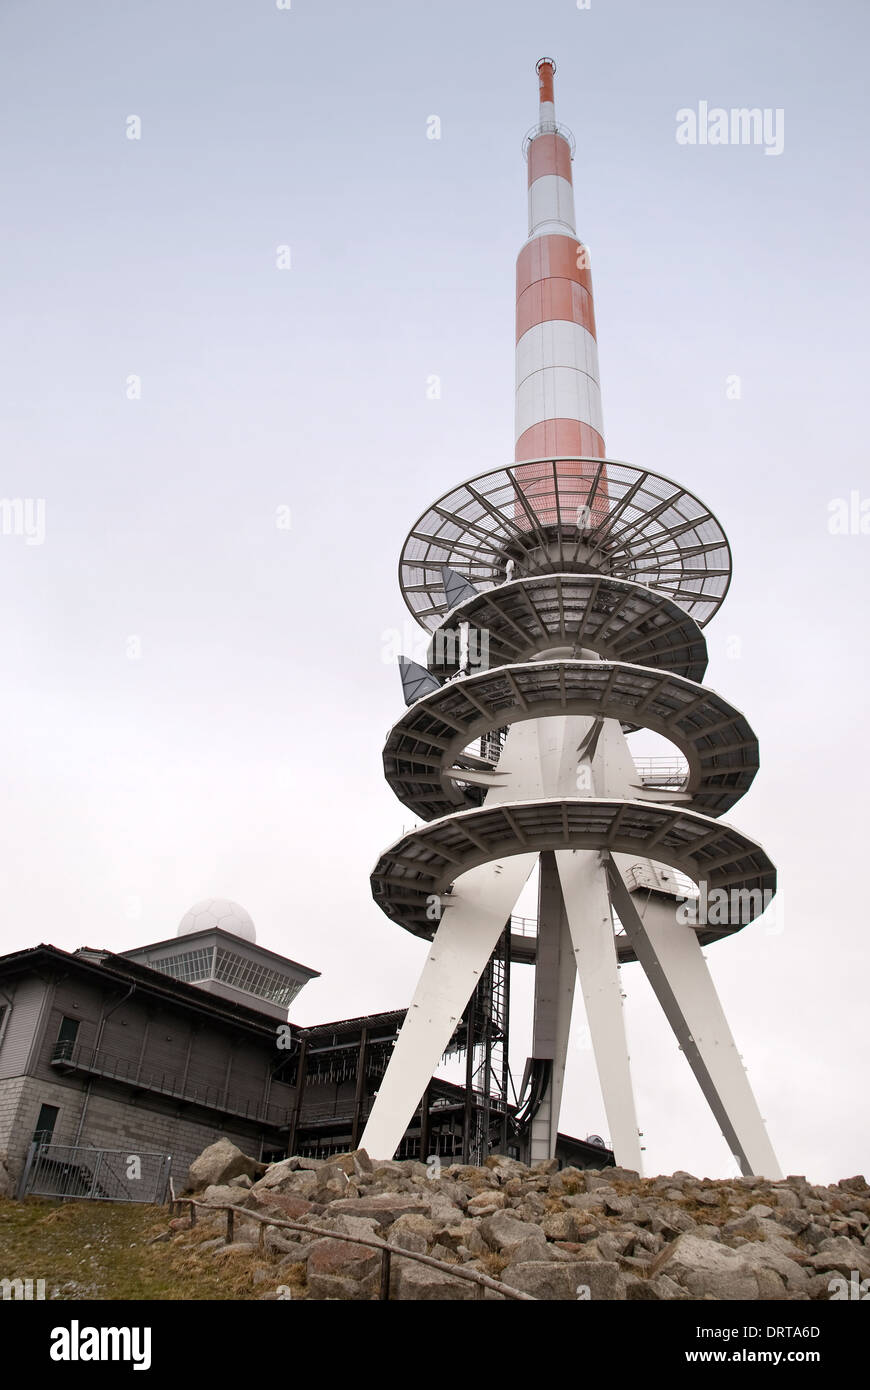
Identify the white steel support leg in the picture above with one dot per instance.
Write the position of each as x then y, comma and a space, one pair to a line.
584, 886
483, 900
555, 975
480, 905
671, 956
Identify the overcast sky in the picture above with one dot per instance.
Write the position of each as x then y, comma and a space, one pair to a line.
194, 699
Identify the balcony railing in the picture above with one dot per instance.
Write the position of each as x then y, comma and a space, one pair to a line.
74, 1057
662, 772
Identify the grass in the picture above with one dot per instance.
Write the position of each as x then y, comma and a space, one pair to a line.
101, 1250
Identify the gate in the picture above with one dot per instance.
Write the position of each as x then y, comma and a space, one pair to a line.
100, 1175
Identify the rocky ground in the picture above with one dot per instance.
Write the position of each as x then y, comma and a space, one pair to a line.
553, 1234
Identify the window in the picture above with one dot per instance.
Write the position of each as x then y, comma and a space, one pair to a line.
45, 1124
67, 1034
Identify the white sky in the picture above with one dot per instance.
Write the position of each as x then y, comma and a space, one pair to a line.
240, 754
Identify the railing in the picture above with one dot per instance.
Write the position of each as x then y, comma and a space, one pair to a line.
662, 772
211, 1097
524, 926
388, 1252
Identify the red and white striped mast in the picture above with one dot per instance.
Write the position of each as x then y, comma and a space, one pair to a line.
558, 396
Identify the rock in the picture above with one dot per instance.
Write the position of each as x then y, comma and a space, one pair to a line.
285, 1204
611, 1244
383, 1206
547, 1279
466, 1232
564, 1225
485, 1203
840, 1255
618, 1206
445, 1212
706, 1267
340, 1269
445, 1254
415, 1225
587, 1201
287, 1176
546, 1165
231, 1253
745, 1225
352, 1163
856, 1184
594, 1180
617, 1174
658, 1288
505, 1167
413, 1281
359, 1226
502, 1232
569, 1180
228, 1196
408, 1240
219, 1164
287, 1242
784, 1197
705, 1197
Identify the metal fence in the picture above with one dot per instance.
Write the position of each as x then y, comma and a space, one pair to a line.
100, 1175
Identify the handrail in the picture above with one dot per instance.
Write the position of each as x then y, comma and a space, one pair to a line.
483, 1281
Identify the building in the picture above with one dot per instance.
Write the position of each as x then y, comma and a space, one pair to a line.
163, 1049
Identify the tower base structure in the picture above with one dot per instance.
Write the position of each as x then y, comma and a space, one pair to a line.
584, 631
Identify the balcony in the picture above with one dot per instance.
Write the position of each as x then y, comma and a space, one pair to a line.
72, 1057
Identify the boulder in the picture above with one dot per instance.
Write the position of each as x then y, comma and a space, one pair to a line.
707, 1267
505, 1167
413, 1281
287, 1176
412, 1224
360, 1226
285, 1205
563, 1225
340, 1269
224, 1195
485, 1203
384, 1207
841, 1255
220, 1163
503, 1232
659, 1289
569, 1280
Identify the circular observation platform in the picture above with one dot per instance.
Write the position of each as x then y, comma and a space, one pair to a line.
425, 862
617, 619
716, 740
564, 515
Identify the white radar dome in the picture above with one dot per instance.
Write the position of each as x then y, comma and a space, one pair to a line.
218, 912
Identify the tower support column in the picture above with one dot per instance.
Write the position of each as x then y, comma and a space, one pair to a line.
555, 974
584, 886
671, 956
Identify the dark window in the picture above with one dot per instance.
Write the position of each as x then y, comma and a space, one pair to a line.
45, 1124
66, 1037
4, 1009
